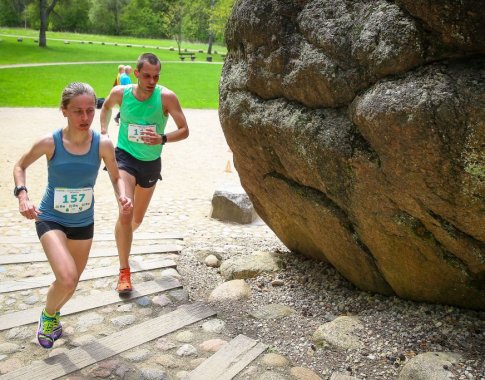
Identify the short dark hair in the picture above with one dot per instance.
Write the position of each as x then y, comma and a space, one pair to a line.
152, 59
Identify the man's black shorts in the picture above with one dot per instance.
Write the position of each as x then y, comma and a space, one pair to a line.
72, 233
146, 173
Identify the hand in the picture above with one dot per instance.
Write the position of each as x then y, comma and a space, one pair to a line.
28, 209
150, 137
126, 206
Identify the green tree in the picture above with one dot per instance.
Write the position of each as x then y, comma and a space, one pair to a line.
32, 14
45, 9
139, 19
176, 23
70, 15
196, 20
12, 12
105, 16
219, 17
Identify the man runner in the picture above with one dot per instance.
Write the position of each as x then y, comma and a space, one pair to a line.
145, 108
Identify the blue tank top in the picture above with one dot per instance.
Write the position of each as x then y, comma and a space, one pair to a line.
69, 197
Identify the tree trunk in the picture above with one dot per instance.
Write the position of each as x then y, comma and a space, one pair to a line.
211, 40
211, 34
45, 10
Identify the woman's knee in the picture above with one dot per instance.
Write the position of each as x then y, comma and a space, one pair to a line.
125, 219
68, 281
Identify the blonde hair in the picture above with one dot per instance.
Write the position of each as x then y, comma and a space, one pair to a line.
75, 89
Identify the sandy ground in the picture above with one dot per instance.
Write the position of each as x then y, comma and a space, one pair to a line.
191, 168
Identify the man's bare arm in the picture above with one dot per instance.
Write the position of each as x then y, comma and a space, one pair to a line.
114, 97
171, 105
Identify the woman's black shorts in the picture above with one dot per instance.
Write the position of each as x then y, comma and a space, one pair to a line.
72, 233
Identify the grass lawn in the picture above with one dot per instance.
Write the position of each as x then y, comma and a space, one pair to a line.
121, 40
13, 52
195, 84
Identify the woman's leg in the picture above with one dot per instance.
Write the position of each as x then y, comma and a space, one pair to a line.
79, 250
64, 267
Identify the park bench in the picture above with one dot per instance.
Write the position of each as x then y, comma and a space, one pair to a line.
183, 55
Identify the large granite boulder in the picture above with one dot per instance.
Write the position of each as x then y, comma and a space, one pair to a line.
358, 132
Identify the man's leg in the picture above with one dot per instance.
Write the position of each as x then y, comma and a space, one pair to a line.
124, 236
142, 199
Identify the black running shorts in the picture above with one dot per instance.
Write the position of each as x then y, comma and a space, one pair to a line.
146, 173
72, 233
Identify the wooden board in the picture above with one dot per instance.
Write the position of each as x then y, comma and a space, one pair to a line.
97, 237
95, 252
82, 303
229, 360
88, 274
81, 357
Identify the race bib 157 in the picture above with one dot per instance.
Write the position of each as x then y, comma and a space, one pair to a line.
72, 201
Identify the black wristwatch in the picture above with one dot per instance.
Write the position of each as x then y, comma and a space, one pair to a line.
18, 189
164, 139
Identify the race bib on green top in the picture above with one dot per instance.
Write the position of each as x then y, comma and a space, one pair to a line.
135, 131
72, 201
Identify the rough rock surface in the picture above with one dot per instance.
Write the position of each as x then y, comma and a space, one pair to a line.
358, 131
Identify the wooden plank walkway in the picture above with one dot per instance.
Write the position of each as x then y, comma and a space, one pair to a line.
81, 357
229, 360
82, 303
88, 274
95, 252
97, 237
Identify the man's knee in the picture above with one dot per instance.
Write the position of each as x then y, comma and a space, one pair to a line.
135, 224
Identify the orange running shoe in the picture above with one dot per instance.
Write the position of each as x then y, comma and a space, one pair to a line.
124, 281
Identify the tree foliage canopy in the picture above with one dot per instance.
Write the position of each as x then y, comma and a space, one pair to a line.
193, 20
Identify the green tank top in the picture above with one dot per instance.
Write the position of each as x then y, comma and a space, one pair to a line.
137, 115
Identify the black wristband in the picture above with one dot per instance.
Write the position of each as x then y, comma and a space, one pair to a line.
164, 139
18, 189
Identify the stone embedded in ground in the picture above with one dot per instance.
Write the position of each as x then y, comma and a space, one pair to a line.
212, 261
161, 300
230, 203
9, 348
301, 373
358, 135
231, 290
339, 333
214, 326
212, 345
124, 320
86, 321
168, 361
430, 366
240, 267
136, 355
274, 360
185, 336
164, 344
187, 350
